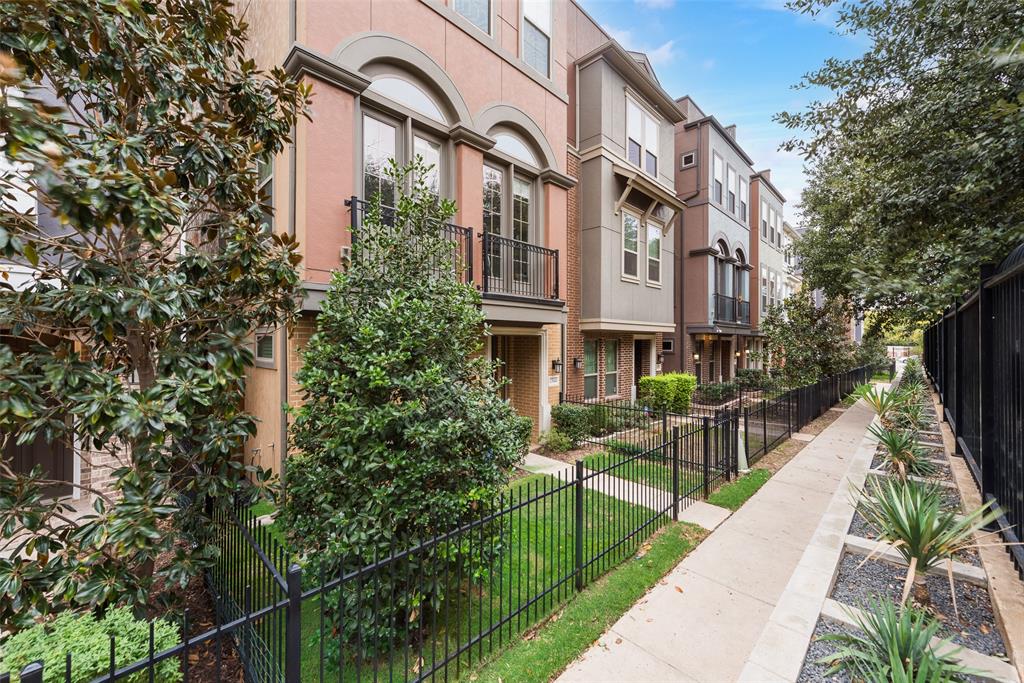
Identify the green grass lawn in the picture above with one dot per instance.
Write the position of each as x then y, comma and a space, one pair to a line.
545, 652
649, 471
532, 574
733, 495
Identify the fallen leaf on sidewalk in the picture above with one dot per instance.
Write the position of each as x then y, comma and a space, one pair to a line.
678, 589
618, 641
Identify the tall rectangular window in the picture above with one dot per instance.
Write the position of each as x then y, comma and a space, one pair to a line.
611, 367
379, 147
589, 368
718, 177
653, 254
430, 152
477, 11
537, 35
764, 291
731, 185
630, 245
771, 225
744, 197
521, 192
641, 138
493, 180
764, 219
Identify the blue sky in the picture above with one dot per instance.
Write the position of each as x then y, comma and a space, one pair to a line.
738, 59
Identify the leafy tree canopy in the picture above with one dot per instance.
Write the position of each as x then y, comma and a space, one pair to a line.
804, 342
138, 126
916, 154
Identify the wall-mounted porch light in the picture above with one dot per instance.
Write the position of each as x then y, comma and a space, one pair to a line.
577, 363
556, 365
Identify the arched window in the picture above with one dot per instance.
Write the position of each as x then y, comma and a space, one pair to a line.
723, 271
401, 120
742, 278
514, 146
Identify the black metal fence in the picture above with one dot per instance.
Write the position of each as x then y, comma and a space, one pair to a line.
973, 356
434, 609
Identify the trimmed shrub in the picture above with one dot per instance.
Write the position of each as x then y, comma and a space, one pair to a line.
672, 391
752, 378
572, 420
605, 420
625, 448
88, 640
717, 392
555, 441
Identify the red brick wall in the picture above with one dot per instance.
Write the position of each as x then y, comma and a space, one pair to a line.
573, 337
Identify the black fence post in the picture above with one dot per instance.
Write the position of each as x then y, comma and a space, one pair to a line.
579, 525
675, 474
764, 424
664, 425
736, 441
789, 414
293, 626
986, 375
746, 433
33, 672
724, 420
706, 465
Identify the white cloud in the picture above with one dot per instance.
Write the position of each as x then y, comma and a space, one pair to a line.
661, 55
655, 4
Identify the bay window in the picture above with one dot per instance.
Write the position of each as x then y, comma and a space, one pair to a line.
630, 245
641, 138
653, 254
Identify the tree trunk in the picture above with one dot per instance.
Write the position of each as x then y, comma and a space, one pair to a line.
922, 598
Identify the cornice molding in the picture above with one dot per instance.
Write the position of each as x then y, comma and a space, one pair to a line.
460, 133
558, 179
302, 61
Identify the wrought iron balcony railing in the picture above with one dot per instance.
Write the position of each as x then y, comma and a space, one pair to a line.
743, 312
519, 270
725, 308
460, 237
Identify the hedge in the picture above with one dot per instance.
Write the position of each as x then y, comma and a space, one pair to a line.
671, 391
573, 421
716, 393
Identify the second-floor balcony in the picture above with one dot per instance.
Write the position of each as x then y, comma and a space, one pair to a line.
509, 269
519, 270
729, 309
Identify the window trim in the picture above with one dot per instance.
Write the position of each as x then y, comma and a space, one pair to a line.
682, 160
260, 361
764, 219
645, 149
639, 224
668, 345
489, 32
660, 260
606, 374
596, 374
522, 37
717, 193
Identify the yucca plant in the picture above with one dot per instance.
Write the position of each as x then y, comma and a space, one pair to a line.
896, 646
903, 457
909, 515
910, 415
883, 401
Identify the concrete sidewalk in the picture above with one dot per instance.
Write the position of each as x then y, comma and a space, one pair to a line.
703, 622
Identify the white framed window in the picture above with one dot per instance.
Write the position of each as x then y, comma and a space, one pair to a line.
494, 186
537, 35
380, 147
477, 11
764, 290
773, 218
611, 367
589, 368
668, 345
764, 219
731, 178
654, 233
778, 229
430, 152
641, 138
744, 197
630, 246
263, 348
717, 177
522, 199
687, 159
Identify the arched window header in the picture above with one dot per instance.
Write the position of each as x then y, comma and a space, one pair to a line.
514, 146
407, 93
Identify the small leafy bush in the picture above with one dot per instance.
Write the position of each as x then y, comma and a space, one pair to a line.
753, 378
573, 421
671, 392
605, 420
896, 646
555, 441
717, 392
619, 447
88, 640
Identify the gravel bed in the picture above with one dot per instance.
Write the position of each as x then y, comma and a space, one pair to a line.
976, 628
812, 671
860, 527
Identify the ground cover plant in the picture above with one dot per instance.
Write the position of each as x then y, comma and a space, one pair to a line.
398, 443
157, 261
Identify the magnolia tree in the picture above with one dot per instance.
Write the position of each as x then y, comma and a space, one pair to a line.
804, 342
139, 127
402, 433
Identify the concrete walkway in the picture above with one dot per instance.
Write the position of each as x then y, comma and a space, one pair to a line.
732, 595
